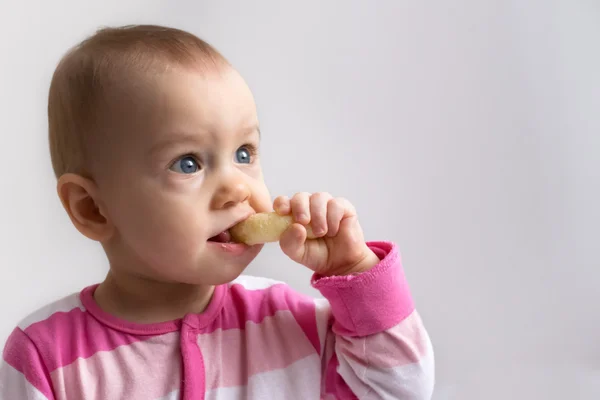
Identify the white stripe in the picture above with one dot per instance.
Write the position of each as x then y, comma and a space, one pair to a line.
14, 385
407, 382
174, 395
254, 283
299, 381
65, 304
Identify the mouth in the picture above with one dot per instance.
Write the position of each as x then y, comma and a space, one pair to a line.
225, 236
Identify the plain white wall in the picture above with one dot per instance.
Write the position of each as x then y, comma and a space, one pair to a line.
468, 132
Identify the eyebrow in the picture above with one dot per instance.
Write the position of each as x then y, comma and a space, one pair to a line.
249, 131
174, 139
182, 139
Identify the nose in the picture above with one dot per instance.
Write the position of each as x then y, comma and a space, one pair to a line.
231, 191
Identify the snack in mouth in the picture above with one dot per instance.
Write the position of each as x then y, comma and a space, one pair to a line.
263, 228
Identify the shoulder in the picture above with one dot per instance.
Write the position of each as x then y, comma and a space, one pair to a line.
271, 304
44, 315
256, 289
269, 295
58, 328
41, 331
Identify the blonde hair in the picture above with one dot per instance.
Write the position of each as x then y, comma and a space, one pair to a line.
80, 84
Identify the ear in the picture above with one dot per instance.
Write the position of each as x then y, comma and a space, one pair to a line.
80, 198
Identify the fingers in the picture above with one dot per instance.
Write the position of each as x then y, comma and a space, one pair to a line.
320, 210
336, 210
292, 242
282, 205
339, 243
319, 213
300, 204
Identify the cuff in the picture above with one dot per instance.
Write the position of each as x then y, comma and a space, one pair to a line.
372, 301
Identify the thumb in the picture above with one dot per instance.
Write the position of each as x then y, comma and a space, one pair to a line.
292, 242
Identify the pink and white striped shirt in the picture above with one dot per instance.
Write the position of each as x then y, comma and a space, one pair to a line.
258, 339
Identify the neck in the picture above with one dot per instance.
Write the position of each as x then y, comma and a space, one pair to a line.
142, 300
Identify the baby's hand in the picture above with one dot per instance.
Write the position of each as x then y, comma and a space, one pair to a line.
339, 249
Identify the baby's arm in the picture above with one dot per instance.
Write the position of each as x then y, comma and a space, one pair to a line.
376, 346
23, 375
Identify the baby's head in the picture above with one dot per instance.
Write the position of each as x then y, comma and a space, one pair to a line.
154, 140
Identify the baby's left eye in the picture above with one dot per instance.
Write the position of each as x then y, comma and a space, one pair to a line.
243, 155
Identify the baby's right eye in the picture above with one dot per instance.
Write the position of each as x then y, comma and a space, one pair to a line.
185, 165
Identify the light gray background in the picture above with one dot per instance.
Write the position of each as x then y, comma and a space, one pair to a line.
466, 131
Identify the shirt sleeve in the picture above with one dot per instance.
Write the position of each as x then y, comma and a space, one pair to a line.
376, 346
23, 375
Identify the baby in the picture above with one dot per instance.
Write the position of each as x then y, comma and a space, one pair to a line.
154, 139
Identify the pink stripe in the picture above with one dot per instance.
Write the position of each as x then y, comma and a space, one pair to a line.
140, 370
406, 343
370, 302
244, 305
21, 354
64, 337
234, 355
194, 366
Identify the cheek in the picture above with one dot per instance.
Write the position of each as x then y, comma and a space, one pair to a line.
158, 225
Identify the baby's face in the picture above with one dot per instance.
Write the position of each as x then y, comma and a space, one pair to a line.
184, 169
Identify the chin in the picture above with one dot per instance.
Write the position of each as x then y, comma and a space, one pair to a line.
227, 272
217, 269
216, 278
222, 274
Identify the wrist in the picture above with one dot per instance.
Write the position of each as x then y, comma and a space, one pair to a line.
364, 264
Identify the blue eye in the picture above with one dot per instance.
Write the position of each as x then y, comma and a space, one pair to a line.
186, 165
243, 155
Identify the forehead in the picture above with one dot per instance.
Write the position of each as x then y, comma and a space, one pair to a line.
216, 102
213, 106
